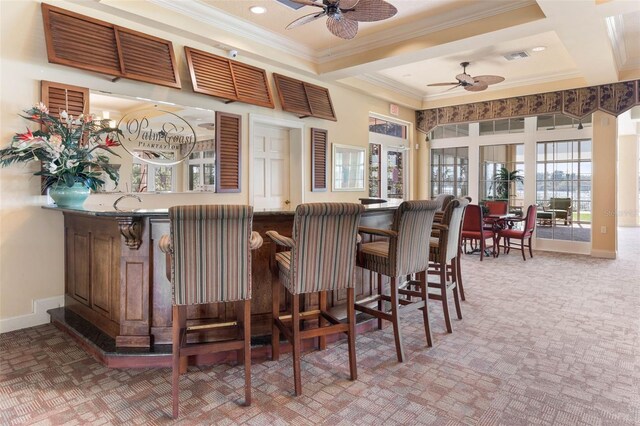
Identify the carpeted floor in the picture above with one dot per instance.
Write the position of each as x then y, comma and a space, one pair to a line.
553, 340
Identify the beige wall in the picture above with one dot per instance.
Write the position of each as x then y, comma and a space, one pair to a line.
31, 239
628, 173
603, 218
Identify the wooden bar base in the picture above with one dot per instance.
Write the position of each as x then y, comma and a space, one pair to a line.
103, 347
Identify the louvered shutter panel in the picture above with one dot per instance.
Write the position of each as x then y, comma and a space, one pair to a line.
80, 41
319, 144
304, 99
252, 85
83, 42
228, 152
292, 95
63, 97
320, 102
148, 58
231, 80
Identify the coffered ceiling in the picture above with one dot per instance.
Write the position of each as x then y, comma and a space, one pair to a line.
586, 42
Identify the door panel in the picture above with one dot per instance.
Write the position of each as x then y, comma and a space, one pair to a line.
271, 186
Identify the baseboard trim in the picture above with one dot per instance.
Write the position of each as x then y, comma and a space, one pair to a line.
604, 254
38, 316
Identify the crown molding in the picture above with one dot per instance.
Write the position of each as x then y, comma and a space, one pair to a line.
388, 83
414, 30
615, 30
212, 16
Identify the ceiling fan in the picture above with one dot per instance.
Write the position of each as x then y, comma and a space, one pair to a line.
343, 15
472, 84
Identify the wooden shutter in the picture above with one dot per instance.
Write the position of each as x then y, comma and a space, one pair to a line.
148, 58
231, 80
63, 97
228, 152
86, 43
304, 99
319, 144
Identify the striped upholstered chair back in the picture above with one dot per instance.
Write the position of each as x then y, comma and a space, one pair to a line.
412, 221
453, 218
211, 253
324, 253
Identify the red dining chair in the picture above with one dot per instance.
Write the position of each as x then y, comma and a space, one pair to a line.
495, 208
473, 230
511, 233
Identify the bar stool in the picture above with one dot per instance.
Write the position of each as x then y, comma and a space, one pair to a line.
444, 256
210, 255
403, 253
320, 257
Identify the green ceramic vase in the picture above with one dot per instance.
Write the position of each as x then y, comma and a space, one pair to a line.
69, 197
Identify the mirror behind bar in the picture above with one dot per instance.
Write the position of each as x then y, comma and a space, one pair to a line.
142, 172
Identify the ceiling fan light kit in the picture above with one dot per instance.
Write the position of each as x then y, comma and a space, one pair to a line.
343, 15
469, 83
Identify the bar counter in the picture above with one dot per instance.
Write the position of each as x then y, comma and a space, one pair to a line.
116, 280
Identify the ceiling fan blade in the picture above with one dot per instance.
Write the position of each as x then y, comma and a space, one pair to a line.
465, 78
476, 87
489, 79
348, 4
305, 19
451, 88
370, 11
443, 84
307, 3
343, 28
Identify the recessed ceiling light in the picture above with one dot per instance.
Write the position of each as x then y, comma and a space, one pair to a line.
258, 10
539, 48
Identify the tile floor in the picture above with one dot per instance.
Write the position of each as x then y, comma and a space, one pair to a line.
553, 340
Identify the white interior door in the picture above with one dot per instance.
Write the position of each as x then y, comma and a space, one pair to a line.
271, 187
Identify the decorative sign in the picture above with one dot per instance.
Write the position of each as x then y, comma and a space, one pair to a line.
394, 109
156, 136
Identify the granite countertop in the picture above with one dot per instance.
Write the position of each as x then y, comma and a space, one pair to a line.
110, 212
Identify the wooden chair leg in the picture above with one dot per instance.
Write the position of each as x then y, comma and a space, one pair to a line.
445, 303
275, 309
456, 299
295, 319
530, 249
380, 302
179, 321
482, 248
425, 311
522, 249
247, 351
322, 340
395, 318
351, 335
459, 276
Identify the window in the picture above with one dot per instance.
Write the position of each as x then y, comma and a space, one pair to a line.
375, 150
559, 121
389, 158
449, 131
389, 128
507, 125
152, 175
502, 174
202, 171
563, 170
449, 171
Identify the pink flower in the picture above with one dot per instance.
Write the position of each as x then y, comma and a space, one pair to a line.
42, 108
111, 142
28, 136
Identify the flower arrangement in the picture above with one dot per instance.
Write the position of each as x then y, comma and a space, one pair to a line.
71, 149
